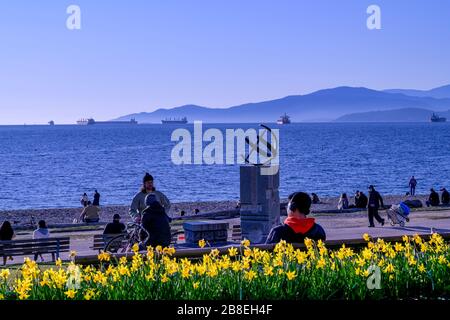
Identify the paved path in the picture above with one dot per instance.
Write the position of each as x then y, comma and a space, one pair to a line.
337, 226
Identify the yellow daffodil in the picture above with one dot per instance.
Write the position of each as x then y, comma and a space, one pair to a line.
366, 237
421, 268
135, 248
245, 243
165, 278
70, 294
291, 275
104, 256
321, 263
232, 251
89, 294
4, 274
389, 268
250, 275
195, 285
202, 243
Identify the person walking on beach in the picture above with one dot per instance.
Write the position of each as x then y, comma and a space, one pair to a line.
84, 200
138, 203
375, 201
41, 233
343, 202
412, 186
433, 199
90, 214
445, 197
6, 234
297, 226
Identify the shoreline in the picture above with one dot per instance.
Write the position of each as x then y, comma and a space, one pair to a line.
21, 217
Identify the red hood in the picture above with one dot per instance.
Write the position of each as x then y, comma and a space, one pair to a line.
300, 225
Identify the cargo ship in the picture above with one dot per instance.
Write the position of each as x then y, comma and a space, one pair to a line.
436, 118
284, 119
175, 121
90, 121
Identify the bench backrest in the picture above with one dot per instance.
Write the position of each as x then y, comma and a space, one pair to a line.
101, 240
33, 246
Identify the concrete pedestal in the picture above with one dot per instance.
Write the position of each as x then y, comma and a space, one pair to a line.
211, 231
260, 203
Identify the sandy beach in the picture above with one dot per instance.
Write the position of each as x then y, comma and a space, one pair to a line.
67, 215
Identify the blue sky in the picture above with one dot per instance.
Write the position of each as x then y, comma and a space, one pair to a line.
132, 56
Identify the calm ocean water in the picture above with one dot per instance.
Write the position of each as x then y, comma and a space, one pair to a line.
46, 167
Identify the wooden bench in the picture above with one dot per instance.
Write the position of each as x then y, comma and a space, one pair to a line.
101, 240
53, 246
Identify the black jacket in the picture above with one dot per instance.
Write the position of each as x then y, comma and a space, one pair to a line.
445, 197
156, 222
434, 198
361, 201
375, 200
296, 232
114, 228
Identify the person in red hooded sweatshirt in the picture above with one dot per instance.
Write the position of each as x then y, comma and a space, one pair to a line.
297, 226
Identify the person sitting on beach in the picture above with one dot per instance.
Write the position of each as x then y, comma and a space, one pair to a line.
84, 200
297, 226
343, 202
41, 233
445, 197
90, 214
138, 203
375, 202
6, 234
156, 222
433, 199
115, 227
360, 200
315, 198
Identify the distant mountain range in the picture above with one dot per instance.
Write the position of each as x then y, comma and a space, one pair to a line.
342, 103
438, 93
397, 115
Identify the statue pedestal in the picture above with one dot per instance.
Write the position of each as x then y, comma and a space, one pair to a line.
260, 203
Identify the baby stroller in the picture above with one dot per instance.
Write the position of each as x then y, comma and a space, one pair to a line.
398, 214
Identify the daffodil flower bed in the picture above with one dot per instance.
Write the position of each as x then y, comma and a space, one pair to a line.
413, 268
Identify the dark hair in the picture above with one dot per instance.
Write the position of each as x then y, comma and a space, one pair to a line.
300, 201
344, 195
89, 203
6, 231
42, 224
116, 217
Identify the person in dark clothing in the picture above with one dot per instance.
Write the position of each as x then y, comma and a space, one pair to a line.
6, 234
445, 197
412, 186
96, 201
360, 200
433, 199
115, 227
374, 203
297, 227
156, 222
315, 198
